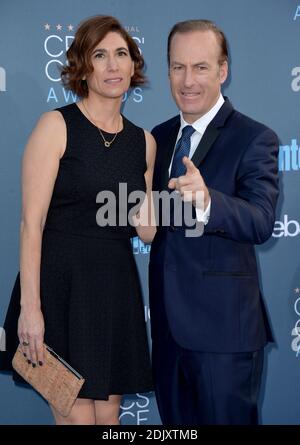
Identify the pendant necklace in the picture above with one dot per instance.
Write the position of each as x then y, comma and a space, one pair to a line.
106, 143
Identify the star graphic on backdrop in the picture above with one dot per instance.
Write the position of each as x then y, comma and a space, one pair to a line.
47, 26
297, 290
70, 27
58, 27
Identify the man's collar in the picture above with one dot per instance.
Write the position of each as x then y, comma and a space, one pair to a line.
203, 121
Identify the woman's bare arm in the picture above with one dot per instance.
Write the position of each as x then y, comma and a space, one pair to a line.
43, 151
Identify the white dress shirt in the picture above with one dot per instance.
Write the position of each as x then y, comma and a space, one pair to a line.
200, 126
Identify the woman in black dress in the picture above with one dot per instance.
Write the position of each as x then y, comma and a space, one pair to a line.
78, 287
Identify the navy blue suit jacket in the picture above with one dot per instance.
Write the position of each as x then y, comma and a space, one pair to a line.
208, 286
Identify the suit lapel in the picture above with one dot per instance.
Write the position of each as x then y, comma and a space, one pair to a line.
168, 152
211, 133
207, 140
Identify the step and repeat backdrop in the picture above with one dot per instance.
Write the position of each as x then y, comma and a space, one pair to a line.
264, 83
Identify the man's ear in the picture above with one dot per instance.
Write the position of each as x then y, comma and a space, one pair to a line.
223, 71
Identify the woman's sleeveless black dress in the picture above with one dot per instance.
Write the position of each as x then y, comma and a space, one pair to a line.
90, 292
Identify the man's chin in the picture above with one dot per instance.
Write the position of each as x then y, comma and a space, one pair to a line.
191, 115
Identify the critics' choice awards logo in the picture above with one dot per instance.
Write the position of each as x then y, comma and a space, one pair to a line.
297, 13
2, 79
135, 411
295, 345
289, 157
295, 84
57, 39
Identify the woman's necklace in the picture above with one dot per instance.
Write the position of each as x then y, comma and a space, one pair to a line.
106, 143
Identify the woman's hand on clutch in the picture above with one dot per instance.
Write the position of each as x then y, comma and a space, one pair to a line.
31, 329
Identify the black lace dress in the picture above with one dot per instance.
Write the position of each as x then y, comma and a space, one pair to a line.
90, 292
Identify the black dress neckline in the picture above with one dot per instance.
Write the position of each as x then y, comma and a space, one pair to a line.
95, 126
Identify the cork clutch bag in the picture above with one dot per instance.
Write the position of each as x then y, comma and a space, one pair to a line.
56, 380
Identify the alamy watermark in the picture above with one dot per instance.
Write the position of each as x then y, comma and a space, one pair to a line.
2, 340
170, 208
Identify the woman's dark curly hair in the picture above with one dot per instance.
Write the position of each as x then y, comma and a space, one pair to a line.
88, 35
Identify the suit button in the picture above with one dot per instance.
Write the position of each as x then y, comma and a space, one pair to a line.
219, 231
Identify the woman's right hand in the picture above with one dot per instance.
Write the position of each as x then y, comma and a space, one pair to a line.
31, 329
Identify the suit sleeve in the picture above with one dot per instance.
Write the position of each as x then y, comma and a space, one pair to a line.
249, 216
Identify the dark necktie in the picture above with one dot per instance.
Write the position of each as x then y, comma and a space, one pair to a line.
182, 149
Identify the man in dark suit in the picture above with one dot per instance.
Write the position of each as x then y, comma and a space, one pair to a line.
209, 325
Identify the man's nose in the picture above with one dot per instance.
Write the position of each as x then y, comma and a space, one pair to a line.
188, 78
